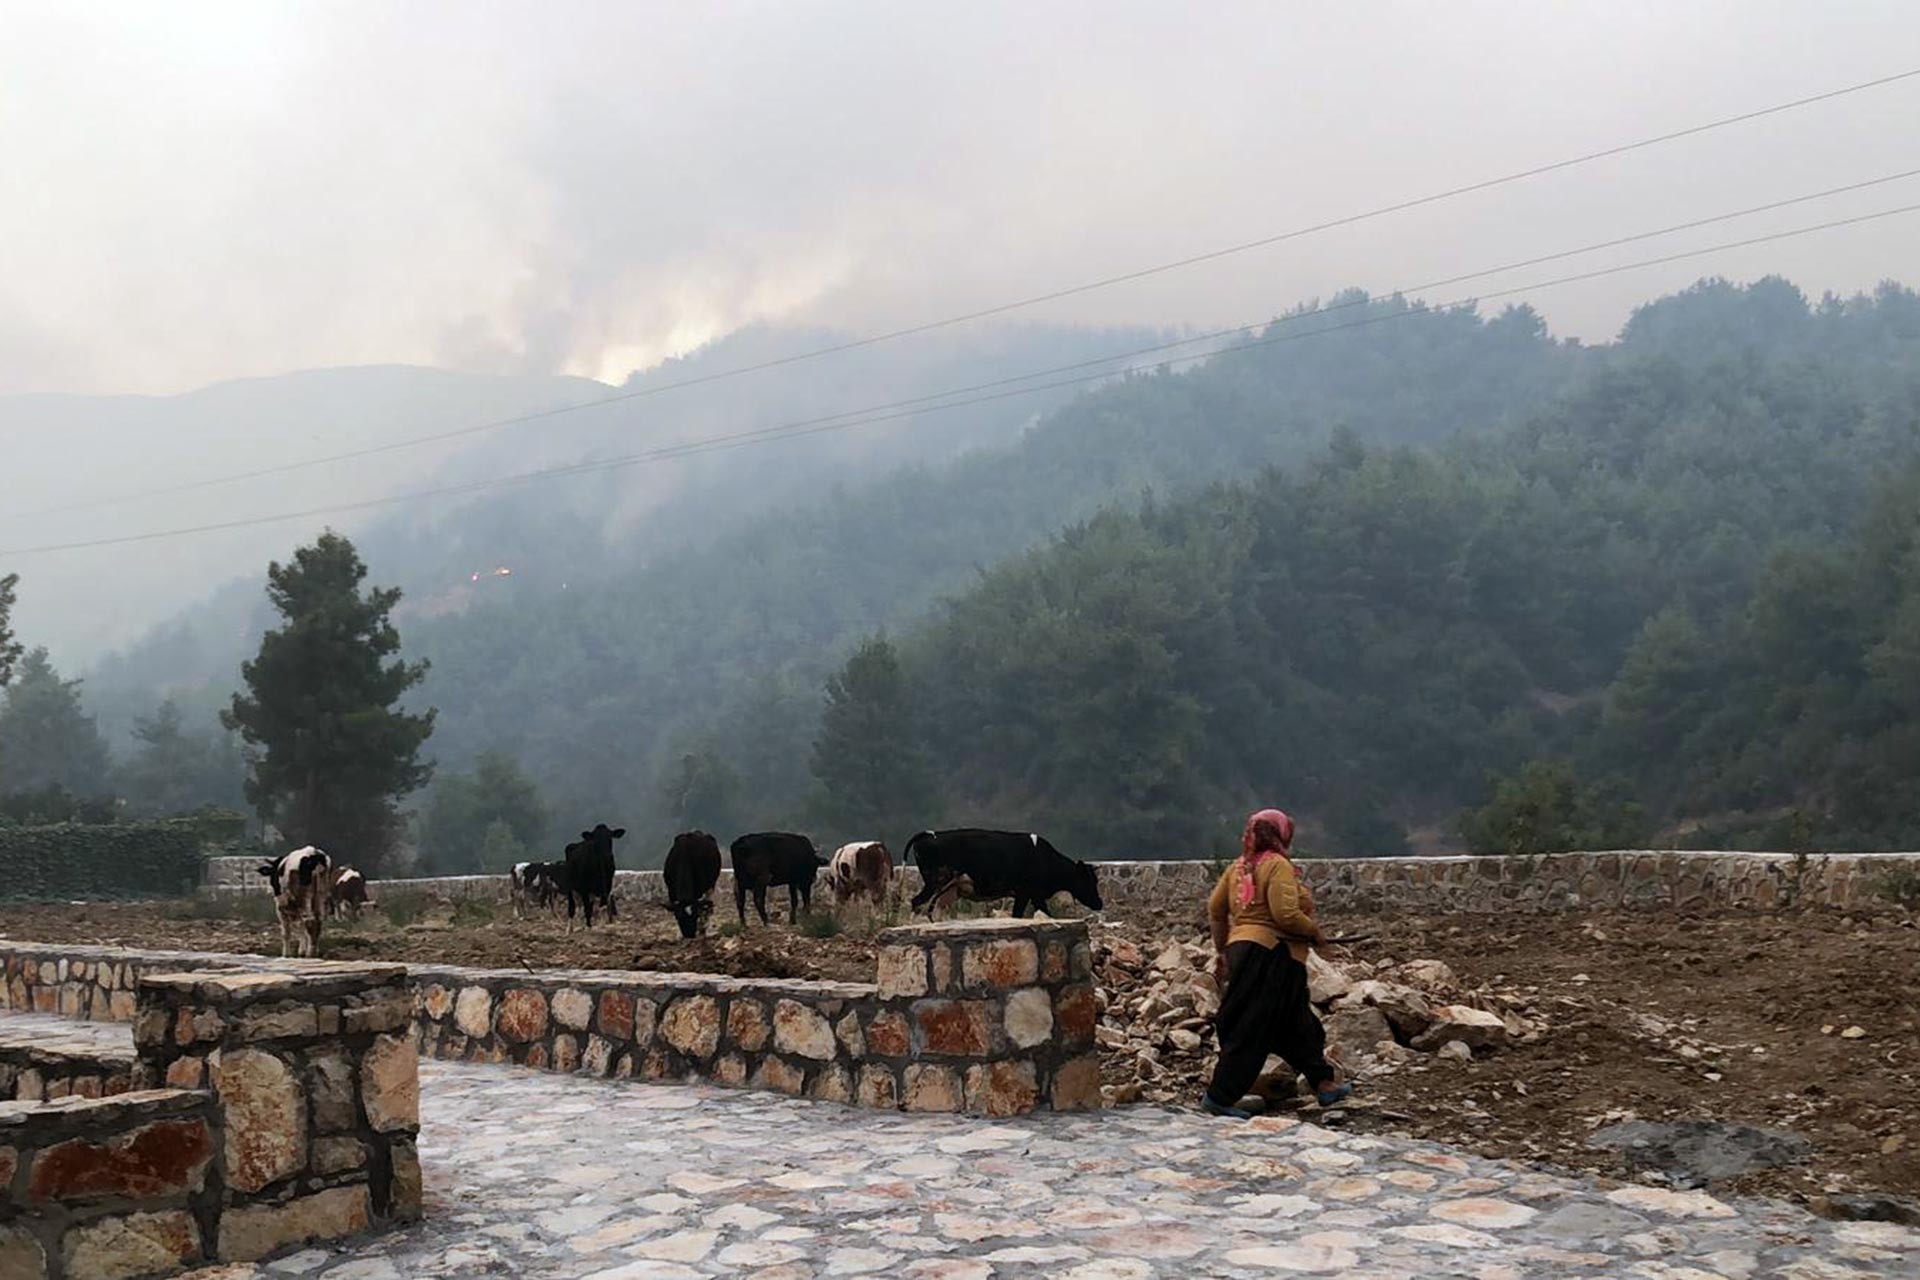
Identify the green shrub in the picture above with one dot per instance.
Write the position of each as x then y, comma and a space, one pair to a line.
474, 911
108, 860
1899, 884
820, 924
403, 907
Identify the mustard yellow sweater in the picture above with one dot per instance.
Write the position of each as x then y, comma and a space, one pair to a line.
1277, 913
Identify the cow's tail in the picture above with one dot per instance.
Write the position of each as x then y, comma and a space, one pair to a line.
906, 854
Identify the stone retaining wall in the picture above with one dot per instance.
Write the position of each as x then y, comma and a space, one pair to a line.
112, 1187
1550, 882
44, 1065
291, 1114
999, 1021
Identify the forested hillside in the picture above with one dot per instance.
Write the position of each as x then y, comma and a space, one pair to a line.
1687, 592
1421, 576
701, 673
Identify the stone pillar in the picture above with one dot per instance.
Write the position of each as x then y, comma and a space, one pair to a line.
998, 1015
316, 1089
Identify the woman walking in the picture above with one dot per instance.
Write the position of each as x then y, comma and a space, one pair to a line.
1262, 918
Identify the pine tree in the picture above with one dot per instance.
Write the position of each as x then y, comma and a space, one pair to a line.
177, 769
46, 738
9, 647
464, 808
874, 779
332, 751
702, 792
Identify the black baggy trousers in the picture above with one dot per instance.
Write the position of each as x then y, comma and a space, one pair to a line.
1265, 1010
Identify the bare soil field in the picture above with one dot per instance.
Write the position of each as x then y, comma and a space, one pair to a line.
1805, 1022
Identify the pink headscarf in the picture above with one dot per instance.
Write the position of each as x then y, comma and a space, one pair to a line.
1269, 834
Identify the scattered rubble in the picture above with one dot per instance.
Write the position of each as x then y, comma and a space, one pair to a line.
1156, 1017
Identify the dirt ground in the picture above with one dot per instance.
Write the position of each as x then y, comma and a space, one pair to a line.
1649, 1015
1661, 1016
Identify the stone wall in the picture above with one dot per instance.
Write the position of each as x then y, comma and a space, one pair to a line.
45, 1065
1550, 882
999, 1021
291, 1114
108, 1187
980, 1034
319, 1090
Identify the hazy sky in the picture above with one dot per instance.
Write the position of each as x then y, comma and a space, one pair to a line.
198, 192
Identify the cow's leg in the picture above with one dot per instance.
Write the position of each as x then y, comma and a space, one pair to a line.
793, 904
1021, 906
760, 903
740, 899
286, 933
312, 947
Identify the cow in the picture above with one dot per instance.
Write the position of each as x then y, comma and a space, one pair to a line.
691, 871
860, 870
350, 893
299, 883
588, 874
999, 864
532, 884
549, 881
768, 858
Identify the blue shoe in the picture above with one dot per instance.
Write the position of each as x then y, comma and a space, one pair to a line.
1334, 1096
1212, 1108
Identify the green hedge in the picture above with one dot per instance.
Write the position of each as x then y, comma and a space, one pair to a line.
121, 860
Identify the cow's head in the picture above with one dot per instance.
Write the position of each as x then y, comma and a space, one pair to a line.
691, 916
271, 870
602, 837
1084, 885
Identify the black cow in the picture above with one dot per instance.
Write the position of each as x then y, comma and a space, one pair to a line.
692, 869
588, 874
768, 858
999, 864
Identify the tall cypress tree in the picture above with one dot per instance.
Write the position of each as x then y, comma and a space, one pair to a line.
333, 752
874, 780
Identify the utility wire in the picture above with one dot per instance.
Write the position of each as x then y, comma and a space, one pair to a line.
811, 427
1015, 305
932, 398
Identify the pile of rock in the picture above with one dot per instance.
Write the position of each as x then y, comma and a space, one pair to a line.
1157, 1002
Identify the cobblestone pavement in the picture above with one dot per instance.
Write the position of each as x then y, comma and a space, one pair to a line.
529, 1174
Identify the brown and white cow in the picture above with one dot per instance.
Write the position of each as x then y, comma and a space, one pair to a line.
350, 893
300, 881
863, 869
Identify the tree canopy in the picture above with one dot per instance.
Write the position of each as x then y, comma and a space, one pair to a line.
47, 740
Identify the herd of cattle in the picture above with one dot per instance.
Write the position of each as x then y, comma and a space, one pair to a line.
981, 865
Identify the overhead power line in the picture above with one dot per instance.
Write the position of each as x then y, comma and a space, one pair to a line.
850, 420
1004, 308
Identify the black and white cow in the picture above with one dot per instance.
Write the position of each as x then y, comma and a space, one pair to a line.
350, 893
300, 881
997, 864
588, 874
525, 880
691, 871
765, 859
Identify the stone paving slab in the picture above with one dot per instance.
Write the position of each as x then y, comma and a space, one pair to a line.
537, 1176
45, 1029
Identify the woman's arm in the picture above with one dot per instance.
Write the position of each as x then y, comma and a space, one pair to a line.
1217, 922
